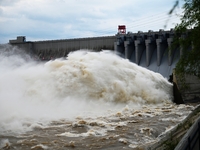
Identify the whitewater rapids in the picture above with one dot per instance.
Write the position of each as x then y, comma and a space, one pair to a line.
95, 91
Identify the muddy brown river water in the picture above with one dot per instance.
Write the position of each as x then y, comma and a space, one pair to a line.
89, 100
128, 129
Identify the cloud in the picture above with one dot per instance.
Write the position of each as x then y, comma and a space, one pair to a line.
8, 2
57, 19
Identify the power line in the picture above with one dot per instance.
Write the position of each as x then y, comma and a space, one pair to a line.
141, 22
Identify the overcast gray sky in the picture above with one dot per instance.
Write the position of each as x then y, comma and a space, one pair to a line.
63, 19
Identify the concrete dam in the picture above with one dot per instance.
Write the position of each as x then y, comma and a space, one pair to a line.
147, 49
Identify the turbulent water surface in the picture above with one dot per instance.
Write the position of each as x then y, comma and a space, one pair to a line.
89, 100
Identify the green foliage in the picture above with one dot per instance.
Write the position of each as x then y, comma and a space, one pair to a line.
187, 37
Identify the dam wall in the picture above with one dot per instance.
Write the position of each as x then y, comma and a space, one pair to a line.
147, 49
51, 49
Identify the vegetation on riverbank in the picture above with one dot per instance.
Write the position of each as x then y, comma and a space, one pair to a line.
187, 36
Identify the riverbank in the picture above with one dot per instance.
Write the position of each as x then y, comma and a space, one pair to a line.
184, 93
173, 137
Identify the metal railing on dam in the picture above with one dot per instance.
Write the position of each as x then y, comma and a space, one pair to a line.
148, 49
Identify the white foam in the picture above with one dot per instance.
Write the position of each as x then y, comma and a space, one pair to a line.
86, 84
5, 144
39, 146
91, 132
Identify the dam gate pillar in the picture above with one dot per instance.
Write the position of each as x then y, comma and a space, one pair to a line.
129, 47
139, 47
161, 43
150, 43
119, 45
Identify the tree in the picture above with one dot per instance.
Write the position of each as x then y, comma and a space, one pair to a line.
187, 36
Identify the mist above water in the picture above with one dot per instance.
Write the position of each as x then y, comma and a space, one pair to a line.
85, 84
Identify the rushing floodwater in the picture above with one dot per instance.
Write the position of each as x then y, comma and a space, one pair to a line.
90, 100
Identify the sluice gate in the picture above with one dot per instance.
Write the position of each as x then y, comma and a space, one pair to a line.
150, 50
